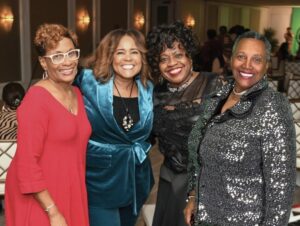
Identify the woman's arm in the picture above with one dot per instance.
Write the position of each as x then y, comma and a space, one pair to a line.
216, 66
189, 210
47, 203
279, 159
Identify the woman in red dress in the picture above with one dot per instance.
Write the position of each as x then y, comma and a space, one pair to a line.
45, 183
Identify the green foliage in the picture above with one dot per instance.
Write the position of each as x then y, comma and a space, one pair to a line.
269, 33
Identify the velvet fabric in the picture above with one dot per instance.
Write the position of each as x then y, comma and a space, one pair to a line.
117, 161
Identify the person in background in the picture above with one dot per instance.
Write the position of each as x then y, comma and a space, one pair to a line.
221, 64
223, 36
177, 97
235, 31
289, 36
45, 183
118, 93
12, 95
211, 48
243, 147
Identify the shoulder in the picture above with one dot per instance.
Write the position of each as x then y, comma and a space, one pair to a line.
84, 76
35, 98
274, 106
36, 93
149, 86
273, 99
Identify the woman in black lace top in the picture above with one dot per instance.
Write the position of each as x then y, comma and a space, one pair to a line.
177, 97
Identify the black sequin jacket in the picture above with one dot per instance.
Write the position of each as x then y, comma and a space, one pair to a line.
242, 161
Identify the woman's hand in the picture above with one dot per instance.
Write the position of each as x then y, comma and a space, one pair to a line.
189, 210
56, 218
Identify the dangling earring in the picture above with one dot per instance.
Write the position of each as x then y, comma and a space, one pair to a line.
45, 74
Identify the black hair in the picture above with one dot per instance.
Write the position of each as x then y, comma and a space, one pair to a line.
164, 36
13, 94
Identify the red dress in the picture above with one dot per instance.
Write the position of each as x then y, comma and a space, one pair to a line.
51, 154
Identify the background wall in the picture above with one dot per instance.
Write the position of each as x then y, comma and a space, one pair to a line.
44, 12
295, 25
18, 59
280, 18
113, 15
10, 43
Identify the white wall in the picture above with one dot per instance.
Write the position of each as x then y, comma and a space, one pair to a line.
265, 19
280, 18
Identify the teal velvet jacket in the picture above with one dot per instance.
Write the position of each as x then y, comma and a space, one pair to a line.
118, 169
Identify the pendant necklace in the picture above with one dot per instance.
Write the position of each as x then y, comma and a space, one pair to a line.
127, 119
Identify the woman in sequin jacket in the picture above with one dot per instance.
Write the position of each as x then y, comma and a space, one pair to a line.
242, 149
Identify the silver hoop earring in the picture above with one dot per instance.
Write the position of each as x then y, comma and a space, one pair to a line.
45, 74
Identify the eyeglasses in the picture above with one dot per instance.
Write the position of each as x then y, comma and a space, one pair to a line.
58, 58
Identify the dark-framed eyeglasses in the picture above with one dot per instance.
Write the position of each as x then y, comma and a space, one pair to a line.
58, 58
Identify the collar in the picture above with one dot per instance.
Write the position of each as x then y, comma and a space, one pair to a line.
246, 101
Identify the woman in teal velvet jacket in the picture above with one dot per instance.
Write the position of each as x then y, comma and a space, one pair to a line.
118, 99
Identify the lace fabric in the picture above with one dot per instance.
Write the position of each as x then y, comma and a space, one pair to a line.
174, 116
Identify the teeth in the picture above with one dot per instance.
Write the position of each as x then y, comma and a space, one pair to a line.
175, 71
127, 66
246, 75
68, 71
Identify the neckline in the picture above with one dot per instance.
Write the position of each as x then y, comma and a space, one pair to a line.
58, 102
185, 85
125, 98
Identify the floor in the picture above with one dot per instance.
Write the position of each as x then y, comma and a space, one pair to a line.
156, 160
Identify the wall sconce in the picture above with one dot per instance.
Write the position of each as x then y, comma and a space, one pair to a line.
6, 18
190, 21
139, 20
83, 20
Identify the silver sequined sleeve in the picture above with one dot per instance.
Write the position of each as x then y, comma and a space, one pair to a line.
278, 158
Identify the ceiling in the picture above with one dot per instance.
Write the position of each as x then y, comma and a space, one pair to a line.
260, 2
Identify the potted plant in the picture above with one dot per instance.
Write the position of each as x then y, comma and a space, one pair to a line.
269, 33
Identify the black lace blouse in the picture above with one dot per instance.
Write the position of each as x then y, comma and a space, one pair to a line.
174, 115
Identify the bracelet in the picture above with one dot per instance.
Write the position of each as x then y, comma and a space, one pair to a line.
49, 207
190, 197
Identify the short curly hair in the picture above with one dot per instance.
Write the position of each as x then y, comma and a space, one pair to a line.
163, 37
48, 36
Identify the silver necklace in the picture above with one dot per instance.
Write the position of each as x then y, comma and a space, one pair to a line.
180, 88
127, 122
238, 93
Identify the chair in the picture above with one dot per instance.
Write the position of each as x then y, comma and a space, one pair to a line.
295, 106
276, 75
7, 152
